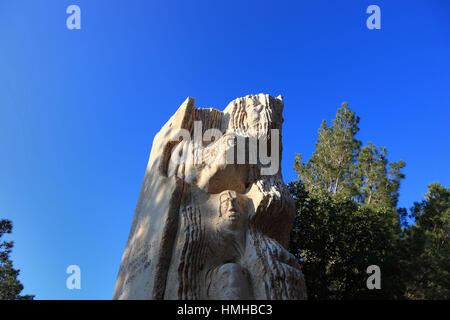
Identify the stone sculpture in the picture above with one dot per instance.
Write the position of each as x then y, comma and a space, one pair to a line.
213, 216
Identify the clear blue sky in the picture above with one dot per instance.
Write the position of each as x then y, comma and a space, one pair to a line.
79, 108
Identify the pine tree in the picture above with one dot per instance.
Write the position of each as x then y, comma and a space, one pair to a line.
376, 180
10, 286
341, 166
426, 251
336, 150
335, 239
346, 218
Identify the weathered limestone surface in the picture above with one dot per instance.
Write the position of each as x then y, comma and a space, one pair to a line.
212, 229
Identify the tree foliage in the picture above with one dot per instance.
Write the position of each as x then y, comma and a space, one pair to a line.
426, 251
347, 219
336, 149
10, 286
340, 166
335, 239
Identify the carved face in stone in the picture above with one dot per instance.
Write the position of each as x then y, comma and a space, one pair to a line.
232, 210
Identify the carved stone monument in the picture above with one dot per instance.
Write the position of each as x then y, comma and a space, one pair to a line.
213, 216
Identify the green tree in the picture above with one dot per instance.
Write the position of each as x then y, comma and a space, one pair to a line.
346, 218
376, 181
340, 165
426, 249
10, 286
335, 239
336, 149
